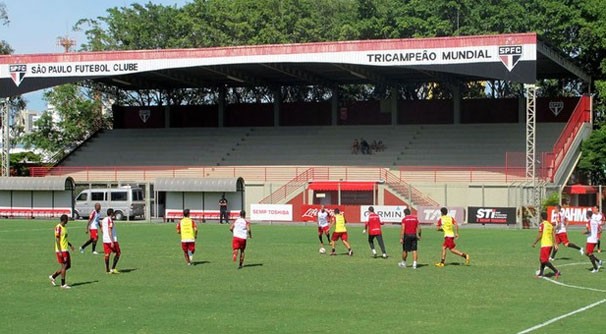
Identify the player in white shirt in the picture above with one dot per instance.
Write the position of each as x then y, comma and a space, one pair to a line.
593, 229
110, 242
92, 228
597, 215
561, 237
241, 232
323, 227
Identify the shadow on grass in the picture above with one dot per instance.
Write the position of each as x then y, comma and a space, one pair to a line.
84, 283
126, 271
195, 263
253, 265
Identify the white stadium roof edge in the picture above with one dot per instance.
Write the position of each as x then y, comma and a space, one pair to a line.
49, 183
520, 57
199, 184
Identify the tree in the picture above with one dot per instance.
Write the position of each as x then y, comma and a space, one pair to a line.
77, 117
593, 159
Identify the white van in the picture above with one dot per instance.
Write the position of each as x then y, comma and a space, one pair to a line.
126, 202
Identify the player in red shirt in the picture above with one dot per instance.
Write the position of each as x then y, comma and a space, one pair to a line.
373, 227
409, 235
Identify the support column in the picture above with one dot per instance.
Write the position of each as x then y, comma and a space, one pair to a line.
221, 109
167, 116
6, 139
393, 105
147, 201
334, 110
277, 94
531, 158
456, 102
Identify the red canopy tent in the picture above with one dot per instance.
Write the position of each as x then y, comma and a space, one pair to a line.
580, 189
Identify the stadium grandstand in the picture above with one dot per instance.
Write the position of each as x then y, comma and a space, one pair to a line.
281, 148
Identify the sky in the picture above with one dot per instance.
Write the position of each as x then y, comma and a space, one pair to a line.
35, 25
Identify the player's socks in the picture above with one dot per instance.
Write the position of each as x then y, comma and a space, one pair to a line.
551, 266
414, 264
52, 279
116, 258
553, 253
571, 245
107, 265
541, 270
62, 281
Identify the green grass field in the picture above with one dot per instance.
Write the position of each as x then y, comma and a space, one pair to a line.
288, 287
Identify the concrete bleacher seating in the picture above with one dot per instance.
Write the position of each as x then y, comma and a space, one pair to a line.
406, 145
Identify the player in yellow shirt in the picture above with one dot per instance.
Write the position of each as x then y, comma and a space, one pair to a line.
547, 238
62, 247
450, 227
340, 232
188, 230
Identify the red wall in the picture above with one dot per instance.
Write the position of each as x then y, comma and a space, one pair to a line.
425, 112
300, 113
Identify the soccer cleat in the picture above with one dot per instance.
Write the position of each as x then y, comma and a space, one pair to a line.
581, 251
402, 264
95, 252
599, 264
189, 263
65, 286
52, 280
414, 266
551, 259
374, 255
593, 271
467, 259
539, 276
384, 256
350, 253
440, 265
81, 250
557, 275
115, 271
333, 253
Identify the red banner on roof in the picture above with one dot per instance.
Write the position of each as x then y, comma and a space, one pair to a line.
343, 185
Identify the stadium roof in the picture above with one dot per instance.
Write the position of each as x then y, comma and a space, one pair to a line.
199, 184
49, 183
515, 57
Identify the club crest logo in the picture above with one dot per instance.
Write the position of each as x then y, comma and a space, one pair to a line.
17, 73
510, 55
144, 115
556, 107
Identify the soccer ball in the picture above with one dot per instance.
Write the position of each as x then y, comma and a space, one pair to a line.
322, 250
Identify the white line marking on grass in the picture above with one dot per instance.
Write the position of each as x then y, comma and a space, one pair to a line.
548, 322
572, 264
572, 286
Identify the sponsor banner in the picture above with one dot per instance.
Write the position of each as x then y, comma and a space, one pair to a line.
491, 215
576, 215
199, 214
388, 213
431, 215
271, 212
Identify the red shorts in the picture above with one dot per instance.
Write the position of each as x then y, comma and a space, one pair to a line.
93, 234
545, 254
449, 243
238, 243
188, 246
107, 248
323, 230
562, 238
339, 235
63, 257
589, 248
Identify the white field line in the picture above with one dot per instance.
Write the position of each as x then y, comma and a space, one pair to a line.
548, 322
572, 286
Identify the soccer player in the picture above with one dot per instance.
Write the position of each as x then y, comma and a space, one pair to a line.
340, 232
410, 234
62, 247
223, 210
241, 232
597, 215
110, 242
188, 230
592, 231
561, 236
450, 227
92, 228
547, 237
323, 226
373, 226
